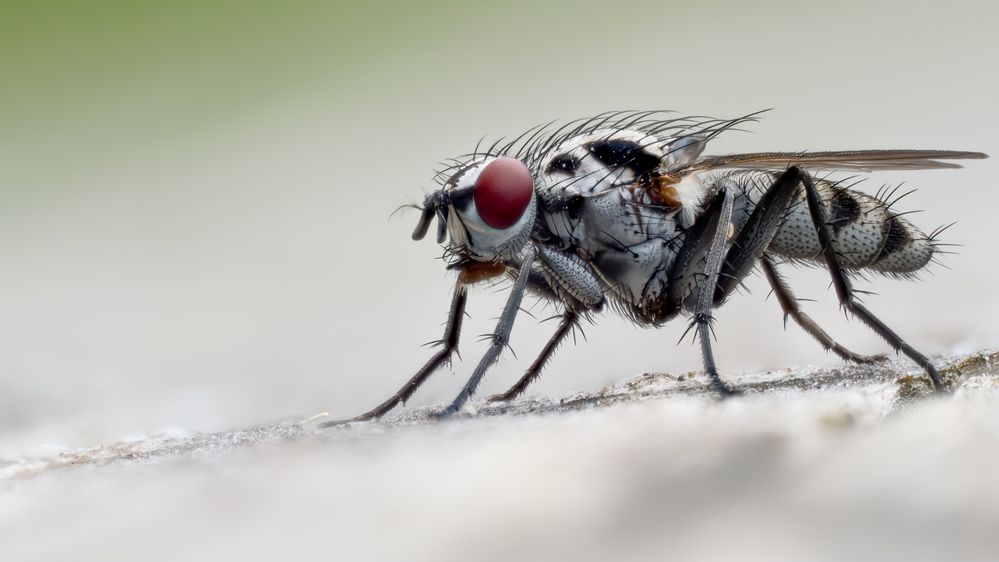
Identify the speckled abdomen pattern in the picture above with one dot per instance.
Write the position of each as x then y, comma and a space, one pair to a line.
866, 233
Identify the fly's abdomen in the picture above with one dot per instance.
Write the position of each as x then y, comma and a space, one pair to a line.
906, 248
866, 232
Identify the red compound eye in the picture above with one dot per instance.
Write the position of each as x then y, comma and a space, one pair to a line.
502, 192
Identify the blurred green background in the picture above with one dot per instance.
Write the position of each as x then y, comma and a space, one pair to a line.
194, 196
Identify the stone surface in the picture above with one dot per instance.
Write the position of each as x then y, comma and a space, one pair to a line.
855, 462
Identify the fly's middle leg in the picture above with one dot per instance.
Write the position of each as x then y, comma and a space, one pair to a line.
756, 234
724, 270
715, 234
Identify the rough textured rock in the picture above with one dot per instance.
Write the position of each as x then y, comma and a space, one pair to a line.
900, 382
856, 462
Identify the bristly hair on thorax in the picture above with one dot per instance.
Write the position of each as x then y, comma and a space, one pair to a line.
536, 144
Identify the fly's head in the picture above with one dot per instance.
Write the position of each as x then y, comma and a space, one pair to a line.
485, 210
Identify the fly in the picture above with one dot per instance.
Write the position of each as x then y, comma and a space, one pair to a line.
623, 210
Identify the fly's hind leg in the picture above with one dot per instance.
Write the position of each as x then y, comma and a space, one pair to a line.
789, 304
569, 321
449, 344
844, 289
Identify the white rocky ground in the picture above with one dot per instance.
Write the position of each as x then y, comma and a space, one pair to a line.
852, 463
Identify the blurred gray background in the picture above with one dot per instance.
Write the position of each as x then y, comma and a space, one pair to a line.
195, 199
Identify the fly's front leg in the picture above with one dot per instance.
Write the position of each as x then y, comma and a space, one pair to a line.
500, 337
789, 304
573, 282
844, 289
449, 343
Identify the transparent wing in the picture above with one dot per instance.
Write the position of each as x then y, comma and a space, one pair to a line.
856, 160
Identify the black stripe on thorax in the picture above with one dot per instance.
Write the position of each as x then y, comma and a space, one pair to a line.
623, 153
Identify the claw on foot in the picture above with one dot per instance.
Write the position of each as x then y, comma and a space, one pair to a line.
725, 391
504, 397
363, 417
443, 413
866, 359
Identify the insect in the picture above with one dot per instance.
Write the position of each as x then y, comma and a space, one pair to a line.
623, 210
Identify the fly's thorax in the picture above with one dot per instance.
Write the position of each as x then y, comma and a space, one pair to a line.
608, 188
592, 163
619, 217
605, 196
